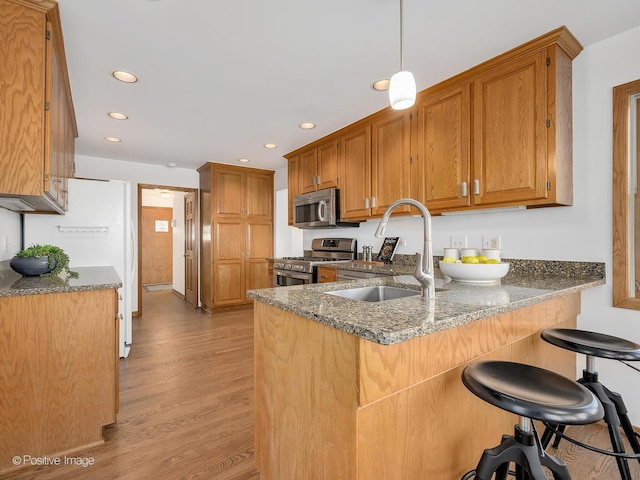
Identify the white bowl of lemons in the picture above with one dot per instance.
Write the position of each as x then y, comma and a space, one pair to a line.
474, 269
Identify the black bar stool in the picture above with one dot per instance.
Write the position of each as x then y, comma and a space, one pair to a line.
532, 393
593, 345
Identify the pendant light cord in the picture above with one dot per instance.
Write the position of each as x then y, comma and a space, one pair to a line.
401, 37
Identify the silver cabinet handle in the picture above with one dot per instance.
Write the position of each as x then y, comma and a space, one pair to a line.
373, 202
318, 180
463, 189
476, 187
366, 202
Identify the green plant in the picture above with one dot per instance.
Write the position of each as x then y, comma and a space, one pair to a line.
58, 259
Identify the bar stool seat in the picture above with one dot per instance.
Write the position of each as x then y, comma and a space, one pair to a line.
531, 393
594, 344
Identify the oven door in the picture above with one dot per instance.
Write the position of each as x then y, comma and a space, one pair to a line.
287, 278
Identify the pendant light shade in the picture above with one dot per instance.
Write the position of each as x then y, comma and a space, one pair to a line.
402, 90
402, 86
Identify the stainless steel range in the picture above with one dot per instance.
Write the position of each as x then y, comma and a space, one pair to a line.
289, 271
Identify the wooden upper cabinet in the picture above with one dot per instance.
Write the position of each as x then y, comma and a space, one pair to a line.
293, 183
355, 173
318, 167
37, 146
241, 194
442, 149
510, 132
390, 159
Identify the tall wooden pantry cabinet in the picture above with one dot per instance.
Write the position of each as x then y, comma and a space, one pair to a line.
236, 232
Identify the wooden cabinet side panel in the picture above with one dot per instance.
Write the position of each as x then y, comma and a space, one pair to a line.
305, 386
60, 382
22, 56
206, 243
293, 184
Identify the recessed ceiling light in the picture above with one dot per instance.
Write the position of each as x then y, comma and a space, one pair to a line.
124, 76
244, 160
112, 139
118, 116
381, 85
270, 145
307, 125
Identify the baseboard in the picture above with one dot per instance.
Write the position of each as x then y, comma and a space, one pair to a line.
175, 292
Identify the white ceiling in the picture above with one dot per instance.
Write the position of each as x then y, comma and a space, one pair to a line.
219, 79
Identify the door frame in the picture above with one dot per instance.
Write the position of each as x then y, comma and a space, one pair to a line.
148, 186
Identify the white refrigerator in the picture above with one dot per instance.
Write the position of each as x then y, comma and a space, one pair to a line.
95, 231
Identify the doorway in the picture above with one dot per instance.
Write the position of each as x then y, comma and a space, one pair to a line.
167, 241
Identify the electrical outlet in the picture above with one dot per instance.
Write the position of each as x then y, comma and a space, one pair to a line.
491, 241
458, 241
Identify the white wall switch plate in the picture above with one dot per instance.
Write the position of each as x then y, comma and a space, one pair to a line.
458, 241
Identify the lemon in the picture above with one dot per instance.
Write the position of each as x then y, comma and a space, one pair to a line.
449, 260
470, 260
482, 258
493, 261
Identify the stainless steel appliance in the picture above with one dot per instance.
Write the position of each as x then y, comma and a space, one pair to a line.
289, 271
320, 209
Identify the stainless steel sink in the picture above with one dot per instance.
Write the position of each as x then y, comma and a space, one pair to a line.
378, 293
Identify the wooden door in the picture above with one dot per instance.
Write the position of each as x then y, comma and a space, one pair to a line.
228, 261
157, 238
327, 164
190, 249
390, 157
307, 170
510, 132
443, 149
355, 173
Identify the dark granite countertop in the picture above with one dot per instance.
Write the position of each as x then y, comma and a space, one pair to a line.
89, 278
394, 321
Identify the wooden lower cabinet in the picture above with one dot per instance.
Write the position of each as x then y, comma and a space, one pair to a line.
59, 382
327, 274
331, 405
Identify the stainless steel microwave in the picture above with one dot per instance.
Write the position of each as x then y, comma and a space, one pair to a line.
320, 209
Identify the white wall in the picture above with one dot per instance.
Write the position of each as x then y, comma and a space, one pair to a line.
581, 232
109, 169
9, 234
287, 240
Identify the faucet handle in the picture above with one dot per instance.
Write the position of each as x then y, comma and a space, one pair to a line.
418, 268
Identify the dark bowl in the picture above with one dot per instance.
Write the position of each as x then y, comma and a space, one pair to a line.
30, 266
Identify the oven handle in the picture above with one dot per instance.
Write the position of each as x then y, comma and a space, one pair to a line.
322, 211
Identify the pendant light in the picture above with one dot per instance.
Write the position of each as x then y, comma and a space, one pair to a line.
402, 87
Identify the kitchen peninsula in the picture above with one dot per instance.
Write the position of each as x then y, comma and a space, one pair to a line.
59, 349
356, 390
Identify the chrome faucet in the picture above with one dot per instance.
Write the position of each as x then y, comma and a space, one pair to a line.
424, 261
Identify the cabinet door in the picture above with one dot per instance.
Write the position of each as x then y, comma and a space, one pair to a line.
307, 171
293, 184
355, 173
259, 242
327, 274
327, 164
228, 262
509, 132
227, 191
22, 57
259, 196
390, 156
443, 146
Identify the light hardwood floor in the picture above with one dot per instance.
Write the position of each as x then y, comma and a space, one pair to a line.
186, 405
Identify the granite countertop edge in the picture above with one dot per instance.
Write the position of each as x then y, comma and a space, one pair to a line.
13, 284
396, 321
